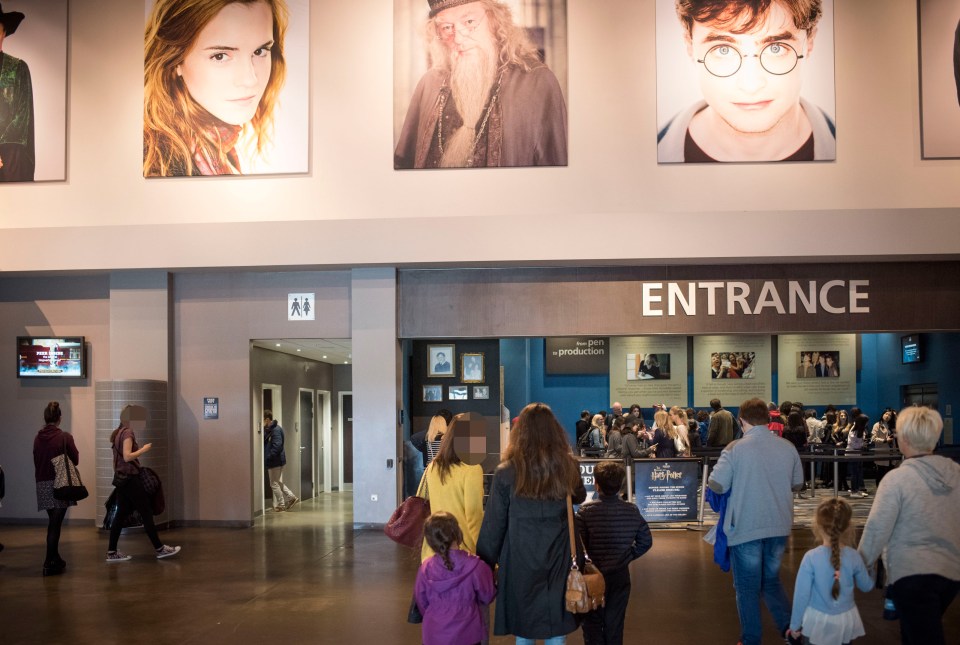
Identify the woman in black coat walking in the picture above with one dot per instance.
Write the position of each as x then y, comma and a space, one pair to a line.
524, 529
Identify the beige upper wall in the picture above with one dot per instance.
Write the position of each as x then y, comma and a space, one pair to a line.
358, 210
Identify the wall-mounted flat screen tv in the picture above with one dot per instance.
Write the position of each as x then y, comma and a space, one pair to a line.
51, 357
911, 350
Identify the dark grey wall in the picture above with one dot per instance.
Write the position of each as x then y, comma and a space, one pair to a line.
291, 373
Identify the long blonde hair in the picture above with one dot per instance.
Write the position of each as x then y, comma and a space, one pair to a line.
438, 425
681, 431
173, 122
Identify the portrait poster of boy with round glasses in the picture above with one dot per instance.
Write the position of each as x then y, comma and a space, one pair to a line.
745, 81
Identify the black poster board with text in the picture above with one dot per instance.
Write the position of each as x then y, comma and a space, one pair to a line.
665, 490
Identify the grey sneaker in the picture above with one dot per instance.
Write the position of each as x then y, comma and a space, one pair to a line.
117, 556
279, 509
167, 551
290, 504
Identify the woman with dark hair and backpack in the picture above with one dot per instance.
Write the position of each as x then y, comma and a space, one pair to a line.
525, 531
131, 495
50, 443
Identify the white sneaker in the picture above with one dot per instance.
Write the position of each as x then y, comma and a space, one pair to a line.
167, 551
116, 556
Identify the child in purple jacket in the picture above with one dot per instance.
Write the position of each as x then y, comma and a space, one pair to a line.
451, 587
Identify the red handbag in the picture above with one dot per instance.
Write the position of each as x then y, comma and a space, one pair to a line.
405, 526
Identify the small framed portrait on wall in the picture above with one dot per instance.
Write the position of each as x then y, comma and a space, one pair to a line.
471, 367
481, 392
458, 393
440, 360
433, 393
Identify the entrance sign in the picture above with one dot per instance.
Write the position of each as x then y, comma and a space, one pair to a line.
666, 490
679, 300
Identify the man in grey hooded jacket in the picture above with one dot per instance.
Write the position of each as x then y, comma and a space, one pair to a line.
915, 525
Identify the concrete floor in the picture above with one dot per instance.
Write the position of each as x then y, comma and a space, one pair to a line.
307, 576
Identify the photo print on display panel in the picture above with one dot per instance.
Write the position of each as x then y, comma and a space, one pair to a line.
33, 91
197, 119
432, 393
481, 392
732, 364
440, 360
751, 90
644, 367
498, 64
938, 26
818, 364
458, 393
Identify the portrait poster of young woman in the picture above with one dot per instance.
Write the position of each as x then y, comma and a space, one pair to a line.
225, 87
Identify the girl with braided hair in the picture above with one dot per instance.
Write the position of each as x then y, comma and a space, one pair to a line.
823, 607
452, 586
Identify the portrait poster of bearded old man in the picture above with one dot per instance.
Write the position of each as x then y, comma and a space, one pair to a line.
745, 81
33, 90
480, 83
939, 25
225, 87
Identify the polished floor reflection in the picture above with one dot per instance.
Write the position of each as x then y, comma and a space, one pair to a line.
307, 576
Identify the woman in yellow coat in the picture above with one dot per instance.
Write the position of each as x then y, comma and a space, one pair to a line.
453, 484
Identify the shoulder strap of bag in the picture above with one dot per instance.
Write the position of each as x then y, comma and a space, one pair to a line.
66, 458
422, 490
573, 544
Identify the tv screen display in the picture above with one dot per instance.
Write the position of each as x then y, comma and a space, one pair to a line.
910, 349
60, 357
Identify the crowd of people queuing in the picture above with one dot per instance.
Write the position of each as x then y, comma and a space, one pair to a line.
676, 432
516, 550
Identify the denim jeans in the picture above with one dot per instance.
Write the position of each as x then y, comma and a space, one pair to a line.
556, 640
756, 572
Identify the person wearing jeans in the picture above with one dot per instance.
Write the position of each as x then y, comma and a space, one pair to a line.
761, 471
756, 574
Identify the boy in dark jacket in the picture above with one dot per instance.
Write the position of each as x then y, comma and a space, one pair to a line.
614, 534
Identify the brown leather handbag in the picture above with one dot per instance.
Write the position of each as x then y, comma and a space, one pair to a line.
585, 590
405, 526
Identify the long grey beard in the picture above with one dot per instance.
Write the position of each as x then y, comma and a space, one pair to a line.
469, 88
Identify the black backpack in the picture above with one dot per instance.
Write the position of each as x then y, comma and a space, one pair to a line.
584, 440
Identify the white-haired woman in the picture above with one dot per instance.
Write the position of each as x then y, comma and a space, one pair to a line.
915, 524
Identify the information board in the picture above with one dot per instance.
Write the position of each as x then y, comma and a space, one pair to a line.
666, 490
586, 474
